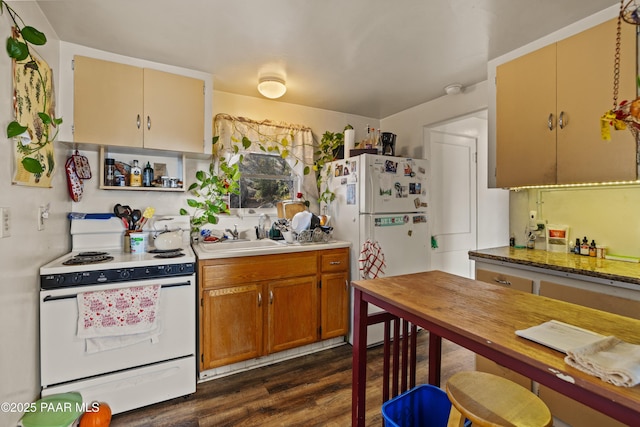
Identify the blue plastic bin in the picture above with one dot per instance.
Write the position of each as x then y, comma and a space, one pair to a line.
422, 406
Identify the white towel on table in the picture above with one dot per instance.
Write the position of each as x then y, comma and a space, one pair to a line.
371, 260
610, 359
118, 317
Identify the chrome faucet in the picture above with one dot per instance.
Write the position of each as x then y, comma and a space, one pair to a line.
234, 232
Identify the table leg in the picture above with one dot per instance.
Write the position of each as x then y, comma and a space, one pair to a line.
359, 369
435, 359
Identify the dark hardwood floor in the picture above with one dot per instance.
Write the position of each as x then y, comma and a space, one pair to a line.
313, 390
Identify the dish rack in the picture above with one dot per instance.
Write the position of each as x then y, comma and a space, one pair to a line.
317, 235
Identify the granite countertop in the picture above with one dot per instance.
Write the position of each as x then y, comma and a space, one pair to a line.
603, 269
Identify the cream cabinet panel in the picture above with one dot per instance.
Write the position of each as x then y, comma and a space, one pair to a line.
548, 108
108, 102
585, 92
174, 112
122, 105
525, 109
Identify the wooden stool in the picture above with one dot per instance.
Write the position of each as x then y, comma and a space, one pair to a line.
489, 401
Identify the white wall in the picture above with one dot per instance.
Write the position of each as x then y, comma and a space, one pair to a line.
22, 253
410, 125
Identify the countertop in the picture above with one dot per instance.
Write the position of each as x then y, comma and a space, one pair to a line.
280, 248
564, 264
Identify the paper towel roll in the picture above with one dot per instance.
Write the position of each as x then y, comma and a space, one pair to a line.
349, 142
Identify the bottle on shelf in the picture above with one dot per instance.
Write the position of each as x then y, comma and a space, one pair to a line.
592, 248
576, 248
135, 176
147, 176
109, 172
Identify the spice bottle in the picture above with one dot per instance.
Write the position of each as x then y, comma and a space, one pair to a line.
147, 175
576, 248
592, 248
109, 172
584, 247
135, 177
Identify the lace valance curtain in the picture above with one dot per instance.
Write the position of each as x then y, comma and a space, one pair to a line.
294, 140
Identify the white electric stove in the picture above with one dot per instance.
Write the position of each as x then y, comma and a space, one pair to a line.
133, 375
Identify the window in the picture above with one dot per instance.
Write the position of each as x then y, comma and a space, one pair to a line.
266, 179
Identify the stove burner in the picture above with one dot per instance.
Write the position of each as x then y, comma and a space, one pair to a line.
173, 254
91, 253
92, 258
164, 251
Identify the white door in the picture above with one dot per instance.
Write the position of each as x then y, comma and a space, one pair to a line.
453, 201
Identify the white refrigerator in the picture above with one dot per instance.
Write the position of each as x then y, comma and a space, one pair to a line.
384, 199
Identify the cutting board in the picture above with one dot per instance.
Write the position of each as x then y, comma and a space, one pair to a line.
292, 208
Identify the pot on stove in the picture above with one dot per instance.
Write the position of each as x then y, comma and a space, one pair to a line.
169, 240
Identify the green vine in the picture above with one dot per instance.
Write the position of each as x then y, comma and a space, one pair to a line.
212, 190
18, 49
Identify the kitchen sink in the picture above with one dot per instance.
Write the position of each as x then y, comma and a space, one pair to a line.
239, 245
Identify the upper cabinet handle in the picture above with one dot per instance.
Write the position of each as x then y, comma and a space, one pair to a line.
138, 121
148, 123
270, 297
550, 121
561, 121
259, 300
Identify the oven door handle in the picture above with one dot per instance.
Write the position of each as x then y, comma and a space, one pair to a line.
60, 297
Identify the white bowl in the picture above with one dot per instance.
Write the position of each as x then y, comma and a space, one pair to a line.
301, 221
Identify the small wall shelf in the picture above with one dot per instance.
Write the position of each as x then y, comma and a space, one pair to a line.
173, 165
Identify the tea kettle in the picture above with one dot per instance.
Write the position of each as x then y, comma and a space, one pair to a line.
169, 240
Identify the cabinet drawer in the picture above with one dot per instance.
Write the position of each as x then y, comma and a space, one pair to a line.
611, 303
513, 282
334, 260
233, 271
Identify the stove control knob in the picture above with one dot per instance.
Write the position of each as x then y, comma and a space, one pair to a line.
168, 269
59, 280
181, 268
77, 277
125, 274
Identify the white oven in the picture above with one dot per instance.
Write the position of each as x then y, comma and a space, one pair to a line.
127, 376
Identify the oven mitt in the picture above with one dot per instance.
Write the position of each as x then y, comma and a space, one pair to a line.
83, 170
74, 183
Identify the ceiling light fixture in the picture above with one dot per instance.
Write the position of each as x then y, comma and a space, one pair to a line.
272, 87
453, 89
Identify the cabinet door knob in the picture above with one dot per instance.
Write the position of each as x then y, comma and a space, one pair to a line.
148, 123
561, 121
138, 121
550, 121
270, 297
260, 300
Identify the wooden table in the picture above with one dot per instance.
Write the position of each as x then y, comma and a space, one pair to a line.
483, 318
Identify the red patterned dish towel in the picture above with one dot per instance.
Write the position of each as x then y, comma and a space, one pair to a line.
371, 260
118, 317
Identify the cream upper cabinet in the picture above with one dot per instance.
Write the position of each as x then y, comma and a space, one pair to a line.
548, 108
123, 105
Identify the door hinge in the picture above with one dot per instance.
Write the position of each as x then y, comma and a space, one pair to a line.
73, 65
201, 302
73, 130
202, 358
319, 284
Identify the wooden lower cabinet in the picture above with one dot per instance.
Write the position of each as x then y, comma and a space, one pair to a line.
292, 313
239, 310
562, 407
514, 282
254, 306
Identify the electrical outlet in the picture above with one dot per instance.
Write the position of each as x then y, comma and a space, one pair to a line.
5, 223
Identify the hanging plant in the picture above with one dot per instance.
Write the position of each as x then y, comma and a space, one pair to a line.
30, 141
